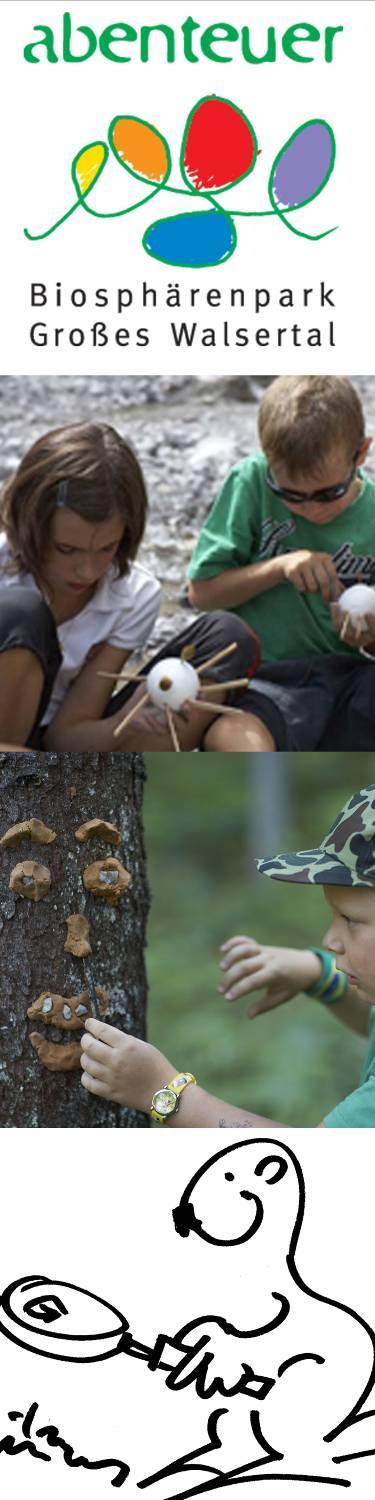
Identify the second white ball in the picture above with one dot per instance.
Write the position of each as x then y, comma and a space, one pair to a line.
357, 601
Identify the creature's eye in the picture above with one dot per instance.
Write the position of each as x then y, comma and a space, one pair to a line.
279, 1165
48, 1309
229, 1176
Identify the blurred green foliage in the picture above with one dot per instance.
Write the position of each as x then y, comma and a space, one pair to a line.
202, 815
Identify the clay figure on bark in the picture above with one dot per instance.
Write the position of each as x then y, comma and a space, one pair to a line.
62, 793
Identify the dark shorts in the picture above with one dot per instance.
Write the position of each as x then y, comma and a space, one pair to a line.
318, 703
27, 622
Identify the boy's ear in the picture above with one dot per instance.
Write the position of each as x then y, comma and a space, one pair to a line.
364, 449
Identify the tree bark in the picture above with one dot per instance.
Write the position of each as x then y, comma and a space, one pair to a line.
65, 791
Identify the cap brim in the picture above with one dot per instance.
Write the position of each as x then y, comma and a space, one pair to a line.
310, 867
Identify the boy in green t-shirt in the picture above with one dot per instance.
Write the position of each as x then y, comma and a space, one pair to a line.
119, 1067
278, 548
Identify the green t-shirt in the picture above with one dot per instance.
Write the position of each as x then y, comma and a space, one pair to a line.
358, 1109
249, 524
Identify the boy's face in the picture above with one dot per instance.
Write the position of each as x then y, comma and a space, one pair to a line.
334, 469
351, 935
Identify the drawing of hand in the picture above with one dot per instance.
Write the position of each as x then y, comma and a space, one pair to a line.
218, 1363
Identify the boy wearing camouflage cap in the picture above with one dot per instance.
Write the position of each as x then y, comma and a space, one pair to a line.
134, 1073
344, 864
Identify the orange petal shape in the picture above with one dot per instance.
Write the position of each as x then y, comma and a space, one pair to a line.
140, 148
88, 164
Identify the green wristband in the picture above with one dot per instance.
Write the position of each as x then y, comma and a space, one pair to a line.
333, 984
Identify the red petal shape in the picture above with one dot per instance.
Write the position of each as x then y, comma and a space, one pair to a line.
219, 146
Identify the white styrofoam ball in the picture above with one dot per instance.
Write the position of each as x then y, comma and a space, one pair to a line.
358, 600
172, 681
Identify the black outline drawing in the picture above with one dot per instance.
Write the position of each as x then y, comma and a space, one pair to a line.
32, 1324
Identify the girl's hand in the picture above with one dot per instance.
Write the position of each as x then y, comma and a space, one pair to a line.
280, 972
120, 1067
150, 720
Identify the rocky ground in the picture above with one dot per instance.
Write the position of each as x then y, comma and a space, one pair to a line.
187, 434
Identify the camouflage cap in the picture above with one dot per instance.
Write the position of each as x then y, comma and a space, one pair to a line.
345, 857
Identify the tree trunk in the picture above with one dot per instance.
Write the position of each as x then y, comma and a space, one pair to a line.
268, 808
63, 792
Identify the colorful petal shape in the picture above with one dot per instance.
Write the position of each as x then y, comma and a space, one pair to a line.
195, 239
87, 166
303, 166
219, 146
140, 148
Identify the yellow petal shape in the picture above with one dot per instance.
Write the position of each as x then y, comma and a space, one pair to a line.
88, 164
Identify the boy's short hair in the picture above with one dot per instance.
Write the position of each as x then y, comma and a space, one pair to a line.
99, 476
302, 417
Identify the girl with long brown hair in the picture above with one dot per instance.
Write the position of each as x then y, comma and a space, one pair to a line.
74, 602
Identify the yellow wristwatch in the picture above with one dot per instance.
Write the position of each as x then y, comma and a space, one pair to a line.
166, 1101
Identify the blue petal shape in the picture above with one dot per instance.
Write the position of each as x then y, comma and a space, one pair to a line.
195, 239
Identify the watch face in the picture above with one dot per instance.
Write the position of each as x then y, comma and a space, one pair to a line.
164, 1101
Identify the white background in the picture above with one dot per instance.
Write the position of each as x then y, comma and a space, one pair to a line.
51, 111
96, 1210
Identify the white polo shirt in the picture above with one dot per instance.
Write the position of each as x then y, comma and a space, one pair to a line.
122, 612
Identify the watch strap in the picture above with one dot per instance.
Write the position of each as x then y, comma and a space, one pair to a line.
176, 1087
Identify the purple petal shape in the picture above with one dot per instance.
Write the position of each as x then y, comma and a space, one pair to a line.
303, 165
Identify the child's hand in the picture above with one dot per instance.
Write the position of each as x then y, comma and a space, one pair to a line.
354, 632
312, 573
281, 972
150, 719
120, 1067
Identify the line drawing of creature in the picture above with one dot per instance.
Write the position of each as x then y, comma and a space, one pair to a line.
293, 1368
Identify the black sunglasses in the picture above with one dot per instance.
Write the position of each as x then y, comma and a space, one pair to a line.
297, 497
